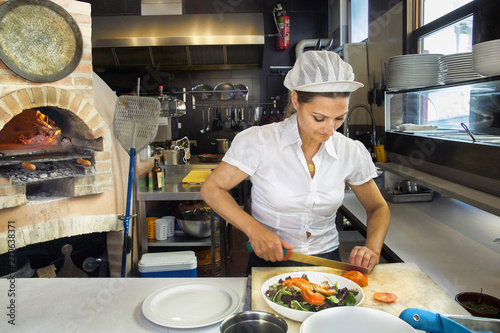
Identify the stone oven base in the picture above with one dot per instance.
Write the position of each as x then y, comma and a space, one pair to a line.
37, 256
60, 228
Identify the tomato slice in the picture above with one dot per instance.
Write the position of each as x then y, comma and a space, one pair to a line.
385, 297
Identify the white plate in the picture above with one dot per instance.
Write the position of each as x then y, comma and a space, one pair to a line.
190, 305
316, 277
354, 319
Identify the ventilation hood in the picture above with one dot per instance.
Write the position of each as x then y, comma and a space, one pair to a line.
178, 42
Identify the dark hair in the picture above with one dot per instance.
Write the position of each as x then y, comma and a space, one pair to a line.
306, 97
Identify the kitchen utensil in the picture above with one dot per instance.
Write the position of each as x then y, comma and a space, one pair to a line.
466, 299
433, 322
217, 121
135, 124
315, 277
197, 222
40, 41
224, 91
208, 121
254, 321
203, 92
170, 156
222, 145
354, 319
290, 255
234, 121
202, 121
190, 305
227, 123
181, 108
69, 269
241, 91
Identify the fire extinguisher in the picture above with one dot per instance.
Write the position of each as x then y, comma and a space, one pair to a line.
283, 24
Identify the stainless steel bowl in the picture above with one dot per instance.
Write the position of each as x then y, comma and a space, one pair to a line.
196, 223
254, 321
224, 91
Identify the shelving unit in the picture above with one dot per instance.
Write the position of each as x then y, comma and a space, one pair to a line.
453, 143
174, 191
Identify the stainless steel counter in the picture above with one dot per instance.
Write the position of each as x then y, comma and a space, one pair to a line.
174, 189
449, 240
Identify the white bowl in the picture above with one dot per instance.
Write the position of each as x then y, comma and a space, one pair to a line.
316, 277
354, 319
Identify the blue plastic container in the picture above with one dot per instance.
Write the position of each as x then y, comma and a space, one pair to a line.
168, 264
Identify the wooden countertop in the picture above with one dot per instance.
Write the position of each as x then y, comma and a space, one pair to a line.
407, 281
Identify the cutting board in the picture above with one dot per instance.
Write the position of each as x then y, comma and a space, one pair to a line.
196, 176
407, 281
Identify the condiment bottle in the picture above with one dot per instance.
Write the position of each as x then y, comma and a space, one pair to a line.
157, 175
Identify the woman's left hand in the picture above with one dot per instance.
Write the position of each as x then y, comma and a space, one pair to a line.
363, 256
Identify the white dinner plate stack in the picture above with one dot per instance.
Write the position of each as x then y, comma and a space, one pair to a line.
456, 67
486, 57
413, 71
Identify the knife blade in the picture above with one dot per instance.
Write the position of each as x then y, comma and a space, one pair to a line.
317, 261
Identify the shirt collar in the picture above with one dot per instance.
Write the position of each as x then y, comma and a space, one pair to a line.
290, 133
291, 136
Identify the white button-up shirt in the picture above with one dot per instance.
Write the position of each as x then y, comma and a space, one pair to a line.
285, 198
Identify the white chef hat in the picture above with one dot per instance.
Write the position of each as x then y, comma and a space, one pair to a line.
321, 71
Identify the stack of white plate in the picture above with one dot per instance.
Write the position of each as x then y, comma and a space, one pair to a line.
485, 57
413, 71
456, 67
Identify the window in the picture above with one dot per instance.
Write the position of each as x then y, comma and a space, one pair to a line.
455, 38
434, 9
358, 20
444, 26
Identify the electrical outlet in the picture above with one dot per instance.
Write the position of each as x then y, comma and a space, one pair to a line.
179, 125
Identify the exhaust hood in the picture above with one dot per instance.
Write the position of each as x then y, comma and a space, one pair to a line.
178, 42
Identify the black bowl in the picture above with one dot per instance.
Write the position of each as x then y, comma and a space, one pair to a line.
469, 300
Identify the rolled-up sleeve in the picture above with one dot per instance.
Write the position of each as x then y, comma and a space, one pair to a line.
245, 151
363, 168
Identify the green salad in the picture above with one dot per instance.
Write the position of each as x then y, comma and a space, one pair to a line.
301, 294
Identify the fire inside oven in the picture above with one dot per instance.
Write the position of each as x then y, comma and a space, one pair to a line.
44, 149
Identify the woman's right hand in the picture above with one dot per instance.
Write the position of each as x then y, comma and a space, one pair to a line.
268, 245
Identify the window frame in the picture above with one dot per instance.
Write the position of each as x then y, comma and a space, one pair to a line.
418, 30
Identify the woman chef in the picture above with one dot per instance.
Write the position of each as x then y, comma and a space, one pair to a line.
298, 169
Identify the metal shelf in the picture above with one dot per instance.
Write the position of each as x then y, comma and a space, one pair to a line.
183, 240
175, 190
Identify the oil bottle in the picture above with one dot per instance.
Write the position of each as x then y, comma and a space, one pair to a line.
157, 177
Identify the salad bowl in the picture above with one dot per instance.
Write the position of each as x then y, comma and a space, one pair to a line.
314, 277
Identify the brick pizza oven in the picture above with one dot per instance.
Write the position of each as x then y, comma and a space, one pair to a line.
72, 189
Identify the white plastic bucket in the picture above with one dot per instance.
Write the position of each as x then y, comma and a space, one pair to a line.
170, 226
161, 229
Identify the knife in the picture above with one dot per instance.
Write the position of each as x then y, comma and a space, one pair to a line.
289, 255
